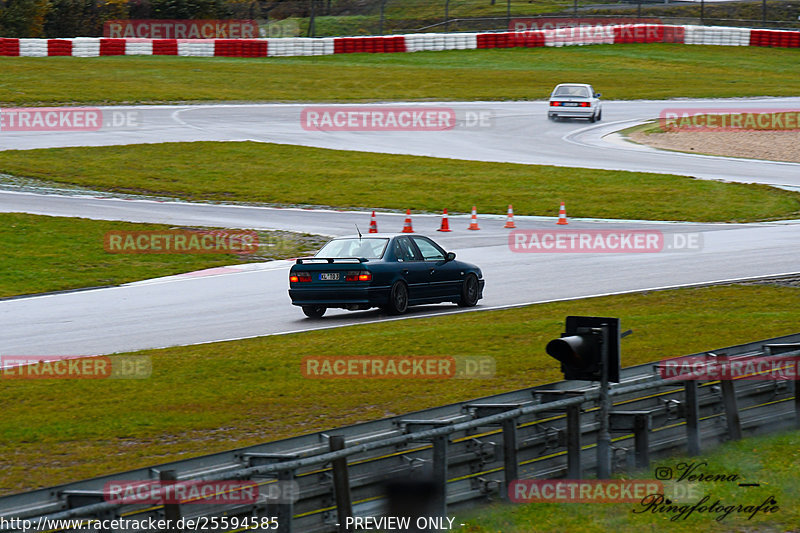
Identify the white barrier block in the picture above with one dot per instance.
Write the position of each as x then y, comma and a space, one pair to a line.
138, 47
196, 47
693, 35
744, 37
33, 47
276, 47
85, 47
414, 42
471, 41
327, 46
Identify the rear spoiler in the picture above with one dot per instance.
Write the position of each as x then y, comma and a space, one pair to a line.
322, 260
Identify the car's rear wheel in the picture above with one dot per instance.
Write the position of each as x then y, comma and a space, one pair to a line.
314, 311
469, 291
599, 114
398, 299
592, 118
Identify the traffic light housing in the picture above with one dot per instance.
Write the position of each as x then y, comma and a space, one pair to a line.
580, 348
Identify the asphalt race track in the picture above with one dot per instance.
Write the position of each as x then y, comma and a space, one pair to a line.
516, 132
252, 300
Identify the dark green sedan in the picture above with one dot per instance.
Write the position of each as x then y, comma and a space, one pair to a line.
390, 271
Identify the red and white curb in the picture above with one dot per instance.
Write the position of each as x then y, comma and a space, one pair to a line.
306, 46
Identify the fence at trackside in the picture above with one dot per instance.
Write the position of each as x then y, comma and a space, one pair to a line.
471, 451
307, 46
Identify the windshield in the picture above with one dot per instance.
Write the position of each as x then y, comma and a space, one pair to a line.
366, 247
572, 90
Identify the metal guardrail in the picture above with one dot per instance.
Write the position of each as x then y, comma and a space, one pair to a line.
471, 450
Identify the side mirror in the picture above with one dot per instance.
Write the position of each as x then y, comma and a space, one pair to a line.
449, 257
597, 95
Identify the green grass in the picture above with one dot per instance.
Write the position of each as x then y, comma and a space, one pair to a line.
42, 254
212, 397
285, 174
773, 461
619, 71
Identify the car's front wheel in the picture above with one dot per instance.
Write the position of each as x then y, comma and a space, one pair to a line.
314, 311
398, 299
469, 291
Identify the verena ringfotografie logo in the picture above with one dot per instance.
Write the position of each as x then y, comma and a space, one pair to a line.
181, 29
154, 492
708, 368
368, 118
181, 242
73, 367
731, 119
66, 119
601, 241
389, 367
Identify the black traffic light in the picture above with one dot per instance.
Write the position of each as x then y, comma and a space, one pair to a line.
580, 348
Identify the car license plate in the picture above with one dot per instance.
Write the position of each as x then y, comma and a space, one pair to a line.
329, 276
571, 104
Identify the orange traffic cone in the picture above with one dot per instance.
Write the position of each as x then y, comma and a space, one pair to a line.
510, 219
407, 225
474, 222
373, 224
562, 215
445, 222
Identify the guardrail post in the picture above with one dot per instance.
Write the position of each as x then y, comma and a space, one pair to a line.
603, 436
172, 511
641, 432
441, 444
574, 442
796, 382
692, 417
284, 510
774, 349
510, 462
341, 484
731, 409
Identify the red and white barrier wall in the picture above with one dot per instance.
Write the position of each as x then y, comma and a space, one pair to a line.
628, 33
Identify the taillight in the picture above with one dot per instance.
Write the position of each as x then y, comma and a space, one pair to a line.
555, 104
586, 104
358, 276
299, 277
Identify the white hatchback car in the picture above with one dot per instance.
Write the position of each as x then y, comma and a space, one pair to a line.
574, 100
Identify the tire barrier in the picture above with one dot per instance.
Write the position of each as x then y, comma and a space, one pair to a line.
306, 46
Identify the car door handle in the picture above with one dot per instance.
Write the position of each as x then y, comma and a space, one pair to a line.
432, 271
405, 271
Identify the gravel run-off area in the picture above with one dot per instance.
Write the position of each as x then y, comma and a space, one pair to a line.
772, 145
